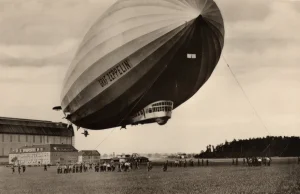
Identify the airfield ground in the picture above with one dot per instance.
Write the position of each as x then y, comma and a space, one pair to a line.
278, 178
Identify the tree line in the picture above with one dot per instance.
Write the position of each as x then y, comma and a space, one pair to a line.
270, 146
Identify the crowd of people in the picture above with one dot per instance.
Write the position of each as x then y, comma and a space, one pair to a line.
184, 163
254, 161
70, 168
122, 166
126, 166
19, 167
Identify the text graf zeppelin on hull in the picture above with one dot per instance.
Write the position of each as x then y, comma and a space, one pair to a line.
140, 54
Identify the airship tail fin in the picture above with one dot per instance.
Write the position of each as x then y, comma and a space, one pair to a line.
57, 108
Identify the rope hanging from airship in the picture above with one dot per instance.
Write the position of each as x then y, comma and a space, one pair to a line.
253, 108
245, 94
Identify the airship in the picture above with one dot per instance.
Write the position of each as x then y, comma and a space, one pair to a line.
141, 60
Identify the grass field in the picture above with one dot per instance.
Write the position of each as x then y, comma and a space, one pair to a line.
279, 178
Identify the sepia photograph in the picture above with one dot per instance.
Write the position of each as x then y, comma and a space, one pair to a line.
149, 96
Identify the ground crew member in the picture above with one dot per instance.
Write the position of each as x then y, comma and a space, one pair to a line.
149, 166
74, 169
192, 163
24, 168
13, 169
19, 169
80, 168
165, 167
58, 169
45, 167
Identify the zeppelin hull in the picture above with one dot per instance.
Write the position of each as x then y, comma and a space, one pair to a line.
171, 62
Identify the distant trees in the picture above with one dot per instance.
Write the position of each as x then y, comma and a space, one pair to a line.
268, 146
157, 155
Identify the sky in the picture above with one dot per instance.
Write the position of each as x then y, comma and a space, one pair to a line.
38, 40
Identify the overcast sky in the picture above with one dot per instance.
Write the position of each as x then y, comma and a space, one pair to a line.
38, 39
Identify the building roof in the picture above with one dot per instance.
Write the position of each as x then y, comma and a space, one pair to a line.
45, 148
34, 127
89, 153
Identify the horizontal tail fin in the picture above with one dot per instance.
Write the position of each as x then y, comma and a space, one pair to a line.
57, 108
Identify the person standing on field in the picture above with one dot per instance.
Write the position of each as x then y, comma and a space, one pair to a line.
13, 169
165, 166
149, 166
19, 169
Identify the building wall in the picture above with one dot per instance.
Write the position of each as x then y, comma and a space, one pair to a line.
38, 158
80, 159
9, 142
89, 159
41, 158
68, 157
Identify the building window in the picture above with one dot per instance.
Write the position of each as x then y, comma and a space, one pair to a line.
19, 138
33, 138
41, 140
10, 138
